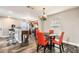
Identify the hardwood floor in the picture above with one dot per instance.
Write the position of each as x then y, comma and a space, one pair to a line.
31, 48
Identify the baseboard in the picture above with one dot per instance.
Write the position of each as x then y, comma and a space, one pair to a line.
71, 43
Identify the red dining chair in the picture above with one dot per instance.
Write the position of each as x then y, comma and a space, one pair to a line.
51, 31
37, 33
41, 41
59, 42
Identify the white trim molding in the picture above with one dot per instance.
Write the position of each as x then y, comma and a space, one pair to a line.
71, 43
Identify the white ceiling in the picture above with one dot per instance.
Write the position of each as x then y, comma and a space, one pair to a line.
33, 11
17, 11
52, 9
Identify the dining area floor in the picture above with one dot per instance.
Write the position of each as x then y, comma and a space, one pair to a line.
32, 48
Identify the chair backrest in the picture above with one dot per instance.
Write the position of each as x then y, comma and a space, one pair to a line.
61, 37
51, 31
37, 33
40, 38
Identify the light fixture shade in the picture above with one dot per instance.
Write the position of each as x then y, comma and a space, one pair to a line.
43, 17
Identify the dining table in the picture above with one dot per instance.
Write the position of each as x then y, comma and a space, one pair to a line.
49, 38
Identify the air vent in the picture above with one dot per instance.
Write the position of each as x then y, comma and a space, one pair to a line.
30, 7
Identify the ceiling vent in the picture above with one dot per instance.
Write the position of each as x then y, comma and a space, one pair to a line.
30, 7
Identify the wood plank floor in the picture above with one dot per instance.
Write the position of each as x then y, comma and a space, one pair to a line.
31, 48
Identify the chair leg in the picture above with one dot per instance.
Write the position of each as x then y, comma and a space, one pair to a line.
37, 48
44, 48
53, 45
54, 48
60, 49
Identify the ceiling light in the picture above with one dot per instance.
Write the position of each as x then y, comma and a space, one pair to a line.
44, 16
10, 12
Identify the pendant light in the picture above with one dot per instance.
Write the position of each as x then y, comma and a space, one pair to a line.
43, 17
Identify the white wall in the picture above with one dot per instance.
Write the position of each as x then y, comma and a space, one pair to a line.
6, 24
69, 21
